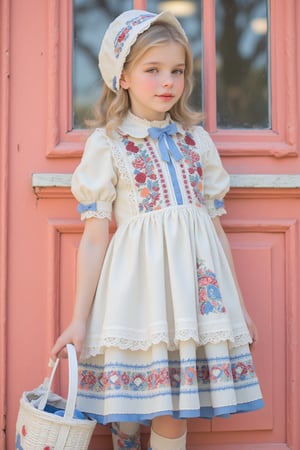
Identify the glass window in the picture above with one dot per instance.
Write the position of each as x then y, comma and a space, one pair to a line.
242, 56
91, 18
243, 95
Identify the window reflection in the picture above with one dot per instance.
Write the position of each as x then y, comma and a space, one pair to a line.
242, 64
91, 18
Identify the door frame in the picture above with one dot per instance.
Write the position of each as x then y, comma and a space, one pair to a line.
4, 127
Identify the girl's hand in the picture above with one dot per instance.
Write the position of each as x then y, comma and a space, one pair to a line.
73, 334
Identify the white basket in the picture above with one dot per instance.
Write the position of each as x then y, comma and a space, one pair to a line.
37, 429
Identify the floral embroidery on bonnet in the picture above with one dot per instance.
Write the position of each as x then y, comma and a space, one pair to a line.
124, 33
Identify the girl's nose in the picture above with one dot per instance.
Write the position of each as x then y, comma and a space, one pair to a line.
167, 80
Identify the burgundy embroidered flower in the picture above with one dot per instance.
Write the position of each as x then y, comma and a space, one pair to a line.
189, 140
140, 177
24, 432
131, 147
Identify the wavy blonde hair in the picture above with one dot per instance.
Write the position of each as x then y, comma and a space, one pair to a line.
112, 107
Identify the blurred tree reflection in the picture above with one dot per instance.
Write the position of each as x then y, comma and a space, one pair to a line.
91, 18
242, 58
242, 64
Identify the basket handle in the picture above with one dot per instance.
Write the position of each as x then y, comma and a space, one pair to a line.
73, 383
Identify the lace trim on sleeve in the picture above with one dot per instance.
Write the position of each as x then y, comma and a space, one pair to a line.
97, 214
215, 207
99, 209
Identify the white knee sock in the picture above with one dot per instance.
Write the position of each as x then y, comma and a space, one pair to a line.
126, 435
162, 443
129, 427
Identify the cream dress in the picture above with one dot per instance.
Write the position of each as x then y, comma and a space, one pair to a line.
166, 332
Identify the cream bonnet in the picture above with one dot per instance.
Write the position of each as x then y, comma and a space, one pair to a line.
121, 35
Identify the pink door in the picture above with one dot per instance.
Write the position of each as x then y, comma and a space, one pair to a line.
41, 141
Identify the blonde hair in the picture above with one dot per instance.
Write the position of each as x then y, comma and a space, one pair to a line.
112, 107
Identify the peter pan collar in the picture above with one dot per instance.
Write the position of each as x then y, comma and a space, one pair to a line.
138, 128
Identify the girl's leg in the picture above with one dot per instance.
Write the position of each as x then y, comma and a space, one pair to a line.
126, 435
168, 434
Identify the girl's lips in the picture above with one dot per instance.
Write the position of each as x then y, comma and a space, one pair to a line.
165, 96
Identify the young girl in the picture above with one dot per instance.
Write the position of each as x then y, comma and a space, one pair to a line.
159, 319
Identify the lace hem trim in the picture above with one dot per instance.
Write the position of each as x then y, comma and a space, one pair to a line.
123, 343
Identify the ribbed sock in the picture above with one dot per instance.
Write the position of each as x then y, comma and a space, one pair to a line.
158, 442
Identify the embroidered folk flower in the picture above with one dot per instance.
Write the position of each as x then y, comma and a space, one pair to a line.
189, 140
210, 299
145, 176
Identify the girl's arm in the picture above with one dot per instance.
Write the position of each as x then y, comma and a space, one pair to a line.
225, 244
90, 258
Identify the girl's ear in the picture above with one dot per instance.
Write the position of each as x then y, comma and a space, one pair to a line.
123, 81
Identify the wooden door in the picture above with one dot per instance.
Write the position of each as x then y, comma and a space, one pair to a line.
40, 229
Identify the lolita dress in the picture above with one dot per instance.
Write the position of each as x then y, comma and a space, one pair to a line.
166, 333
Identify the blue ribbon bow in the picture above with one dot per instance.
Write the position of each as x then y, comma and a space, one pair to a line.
166, 144
81, 208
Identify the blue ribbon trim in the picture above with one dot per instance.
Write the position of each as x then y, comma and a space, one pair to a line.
166, 144
168, 147
205, 412
219, 203
175, 183
90, 207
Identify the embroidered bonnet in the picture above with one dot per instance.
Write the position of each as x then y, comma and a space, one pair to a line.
118, 39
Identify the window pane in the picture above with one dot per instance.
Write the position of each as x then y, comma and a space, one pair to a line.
243, 92
189, 14
91, 18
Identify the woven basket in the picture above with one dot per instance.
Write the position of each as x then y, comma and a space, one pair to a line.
37, 429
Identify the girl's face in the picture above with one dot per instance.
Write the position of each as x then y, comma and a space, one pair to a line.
156, 81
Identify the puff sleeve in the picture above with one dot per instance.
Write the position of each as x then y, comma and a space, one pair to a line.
216, 181
94, 179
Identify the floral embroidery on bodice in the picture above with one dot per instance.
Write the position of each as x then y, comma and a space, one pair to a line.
154, 185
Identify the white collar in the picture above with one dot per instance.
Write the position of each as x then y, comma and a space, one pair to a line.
138, 128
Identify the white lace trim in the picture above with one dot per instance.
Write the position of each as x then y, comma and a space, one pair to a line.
214, 212
98, 214
125, 175
125, 343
